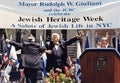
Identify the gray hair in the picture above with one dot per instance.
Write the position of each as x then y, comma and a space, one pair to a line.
56, 35
104, 38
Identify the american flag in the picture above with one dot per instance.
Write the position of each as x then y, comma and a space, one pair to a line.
87, 43
5, 58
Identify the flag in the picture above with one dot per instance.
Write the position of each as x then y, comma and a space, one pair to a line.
96, 38
13, 54
78, 74
97, 41
41, 41
5, 58
4, 50
92, 34
87, 43
44, 57
2, 44
10, 54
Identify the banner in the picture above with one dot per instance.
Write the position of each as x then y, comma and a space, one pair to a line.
56, 14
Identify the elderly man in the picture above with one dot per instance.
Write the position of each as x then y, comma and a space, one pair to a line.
56, 51
105, 43
30, 54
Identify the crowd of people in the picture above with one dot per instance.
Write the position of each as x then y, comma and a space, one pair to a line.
56, 52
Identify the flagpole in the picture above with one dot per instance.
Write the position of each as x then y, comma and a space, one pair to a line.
87, 45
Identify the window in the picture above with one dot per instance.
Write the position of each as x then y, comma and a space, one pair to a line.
33, 32
64, 34
48, 35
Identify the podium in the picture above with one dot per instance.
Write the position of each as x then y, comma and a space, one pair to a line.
100, 66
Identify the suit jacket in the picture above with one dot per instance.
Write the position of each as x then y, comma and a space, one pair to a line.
51, 59
30, 54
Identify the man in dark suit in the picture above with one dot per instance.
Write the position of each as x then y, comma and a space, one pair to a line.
57, 56
105, 43
30, 54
